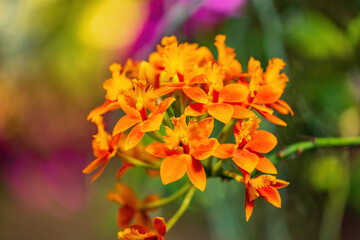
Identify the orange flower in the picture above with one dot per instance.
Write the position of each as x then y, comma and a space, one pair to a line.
114, 86
119, 81
138, 232
104, 147
180, 66
250, 143
134, 103
130, 206
179, 59
196, 145
265, 186
226, 58
218, 101
267, 87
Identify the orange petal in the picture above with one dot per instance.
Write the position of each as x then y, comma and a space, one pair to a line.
173, 168
176, 85
98, 173
249, 206
279, 183
171, 139
245, 174
124, 216
196, 94
245, 160
123, 195
196, 173
134, 137
233, 93
271, 195
163, 106
262, 141
264, 165
158, 150
207, 126
198, 79
286, 105
241, 112
221, 111
122, 170
107, 106
262, 108
251, 192
143, 219
267, 94
159, 226
253, 65
250, 195
273, 119
224, 150
125, 123
282, 107
152, 124
273, 69
114, 142
162, 91
95, 164
131, 111
136, 232
195, 109
202, 150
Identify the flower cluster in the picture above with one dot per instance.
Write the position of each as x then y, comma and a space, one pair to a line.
175, 97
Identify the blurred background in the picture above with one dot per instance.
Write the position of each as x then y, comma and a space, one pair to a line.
54, 57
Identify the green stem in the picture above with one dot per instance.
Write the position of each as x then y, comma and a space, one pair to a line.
156, 136
185, 204
167, 120
233, 175
202, 117
226, 131
137, 162
218, 165
167, 200
303, 146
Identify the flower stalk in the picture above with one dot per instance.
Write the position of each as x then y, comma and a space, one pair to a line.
303, 146
184, 206
136, 162
167, 200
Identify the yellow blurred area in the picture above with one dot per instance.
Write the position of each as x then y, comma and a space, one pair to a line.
112, 23
349, 123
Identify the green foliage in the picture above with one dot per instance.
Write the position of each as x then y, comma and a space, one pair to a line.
314, 35
353, 30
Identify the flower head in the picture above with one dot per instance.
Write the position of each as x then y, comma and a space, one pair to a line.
250, 144
265, 186
139, 232
135, 104
104, 147
195, 146
130, 206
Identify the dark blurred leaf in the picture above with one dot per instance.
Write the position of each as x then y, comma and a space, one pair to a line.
353, 30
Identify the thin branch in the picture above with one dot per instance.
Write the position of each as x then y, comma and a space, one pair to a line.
303, 146
137, 162
167, 200
185, 204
